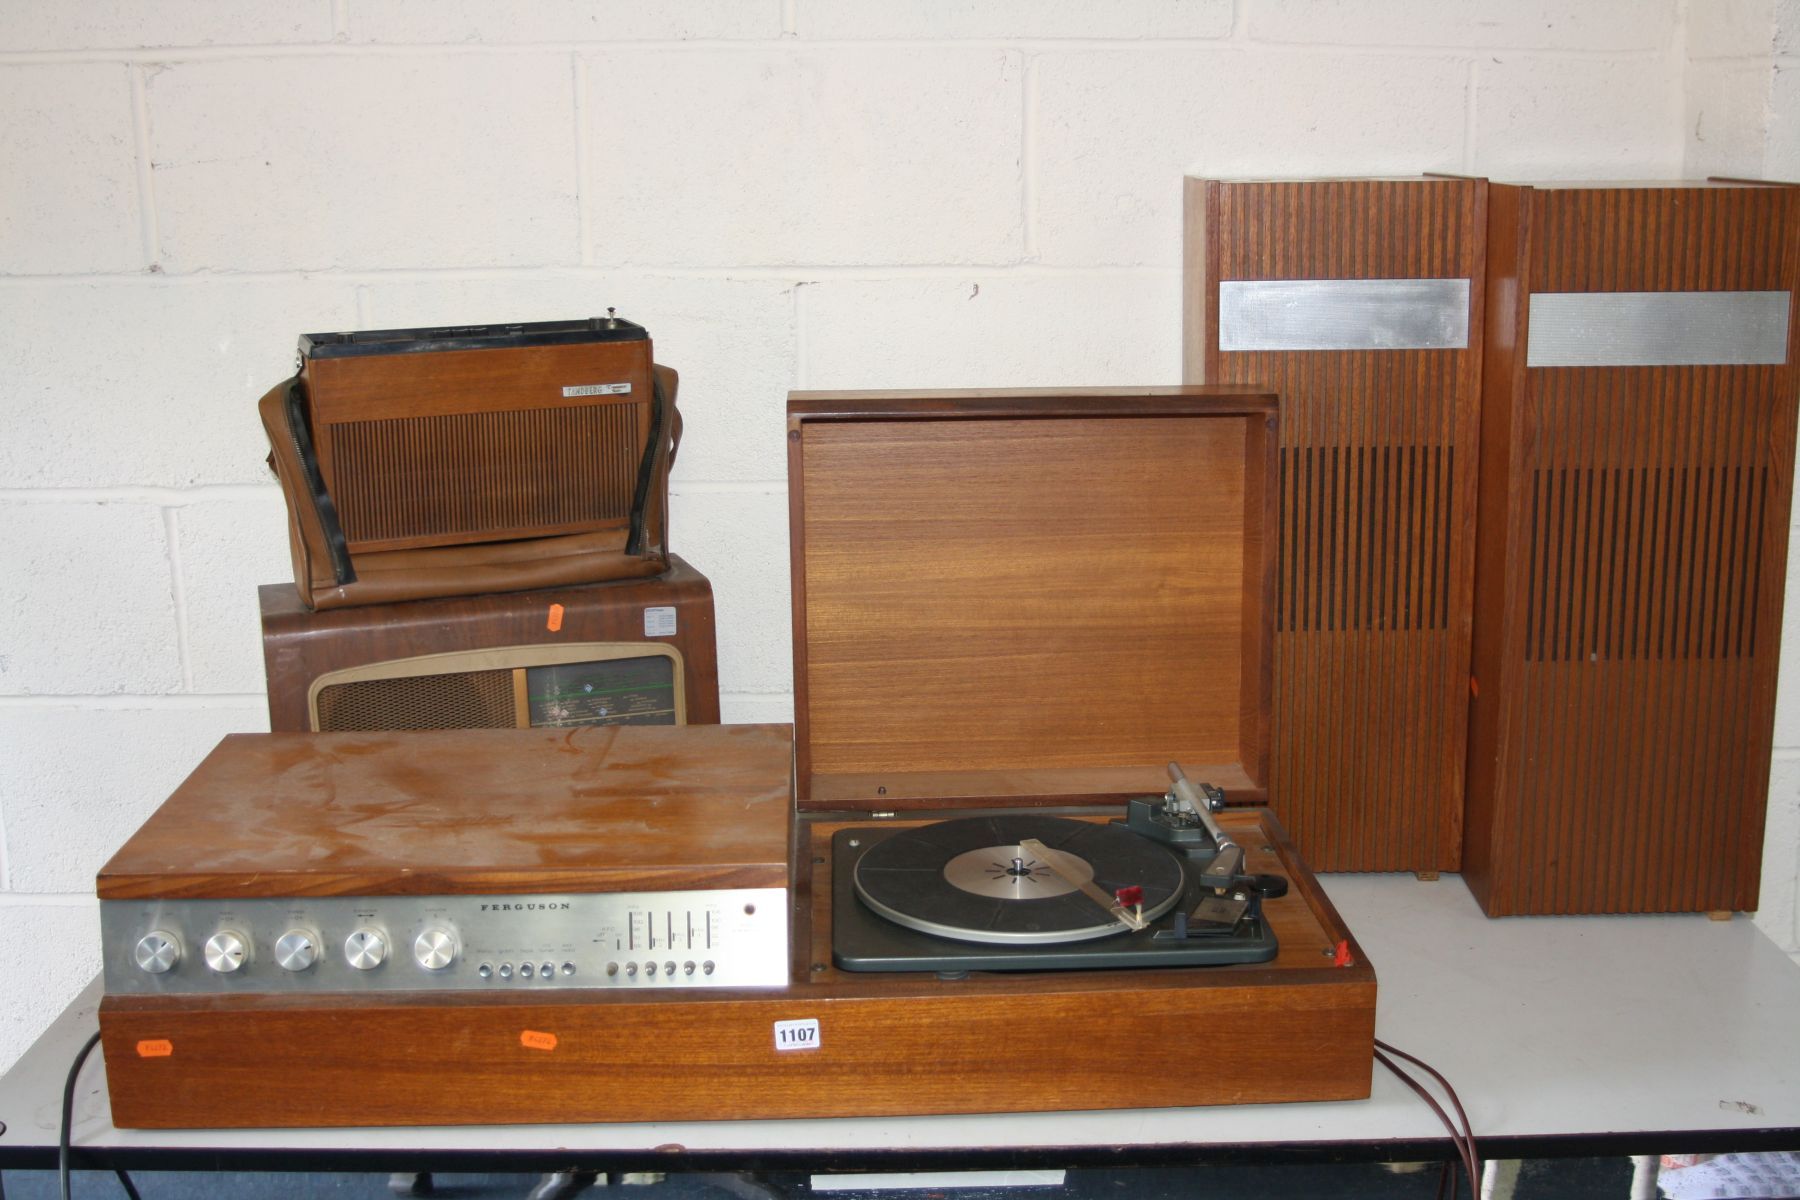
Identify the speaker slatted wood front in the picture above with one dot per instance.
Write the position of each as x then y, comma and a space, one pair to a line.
1634, 536
1371, 653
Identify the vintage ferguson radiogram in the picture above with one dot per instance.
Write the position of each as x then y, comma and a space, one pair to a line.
1359, 301
1011, 611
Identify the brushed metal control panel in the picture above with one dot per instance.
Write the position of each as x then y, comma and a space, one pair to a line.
728, 937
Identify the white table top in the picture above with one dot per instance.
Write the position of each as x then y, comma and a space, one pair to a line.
1619, 1034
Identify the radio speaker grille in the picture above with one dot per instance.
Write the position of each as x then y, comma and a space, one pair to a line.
457, 700
485, 474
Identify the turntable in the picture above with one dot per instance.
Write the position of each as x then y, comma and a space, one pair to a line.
1024, 892
1011, 611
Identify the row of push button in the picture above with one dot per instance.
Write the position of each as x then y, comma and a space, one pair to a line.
670, 968
525, 970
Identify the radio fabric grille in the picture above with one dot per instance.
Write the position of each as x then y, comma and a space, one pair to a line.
1365, 537
457, 700
1646, 562
486, 473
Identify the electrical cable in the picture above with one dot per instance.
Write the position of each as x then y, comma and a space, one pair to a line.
68, 1121
1464, 1138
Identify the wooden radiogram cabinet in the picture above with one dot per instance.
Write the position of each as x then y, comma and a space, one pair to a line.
1636, 471
1001, 600
1358, 301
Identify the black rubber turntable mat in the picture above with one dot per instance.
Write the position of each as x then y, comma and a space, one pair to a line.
971, 880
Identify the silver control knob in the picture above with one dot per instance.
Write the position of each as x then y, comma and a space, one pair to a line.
297, 949
227, 950
435, 948
366, 949
157, 952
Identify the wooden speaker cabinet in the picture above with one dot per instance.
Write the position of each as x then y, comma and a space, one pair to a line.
1636, 457
639, 651
1359, 302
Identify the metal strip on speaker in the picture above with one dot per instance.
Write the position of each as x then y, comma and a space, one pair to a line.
1343, 314
1657, 329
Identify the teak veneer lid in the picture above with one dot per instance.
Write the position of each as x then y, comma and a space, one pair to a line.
507, 811
1029, 596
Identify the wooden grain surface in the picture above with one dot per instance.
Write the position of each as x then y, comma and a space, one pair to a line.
1630, 595
1376, 509
998, 583
299, 645
456, 446
588, 809
1297, 1029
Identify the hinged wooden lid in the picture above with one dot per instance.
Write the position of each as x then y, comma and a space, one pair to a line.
1028, 596
469, 811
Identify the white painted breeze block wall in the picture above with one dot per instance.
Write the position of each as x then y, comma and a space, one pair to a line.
818, 193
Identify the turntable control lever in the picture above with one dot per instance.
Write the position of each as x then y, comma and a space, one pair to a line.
1124, 915
1230, 857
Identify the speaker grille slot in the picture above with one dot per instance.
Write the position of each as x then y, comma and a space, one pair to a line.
1365, 537
1646, 562
456, 700
486, 473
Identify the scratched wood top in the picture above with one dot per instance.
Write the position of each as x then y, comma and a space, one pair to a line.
593, 809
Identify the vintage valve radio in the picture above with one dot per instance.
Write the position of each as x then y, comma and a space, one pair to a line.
429, 437
635, 651
456, 461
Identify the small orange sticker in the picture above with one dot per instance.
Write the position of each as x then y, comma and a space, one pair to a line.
555, 622
531, 1039
155, 1048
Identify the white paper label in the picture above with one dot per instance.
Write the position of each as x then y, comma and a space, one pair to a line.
659, 622
597, 389
797, 1035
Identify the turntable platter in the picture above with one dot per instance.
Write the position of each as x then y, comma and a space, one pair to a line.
970, 879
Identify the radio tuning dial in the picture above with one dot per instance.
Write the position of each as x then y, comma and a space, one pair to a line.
297, 949
227, 951
157, 952
435, 948
366, 949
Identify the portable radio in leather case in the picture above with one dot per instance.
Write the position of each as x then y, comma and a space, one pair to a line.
438, 462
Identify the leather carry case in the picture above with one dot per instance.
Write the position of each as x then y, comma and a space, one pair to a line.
464, 484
